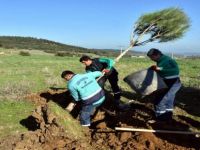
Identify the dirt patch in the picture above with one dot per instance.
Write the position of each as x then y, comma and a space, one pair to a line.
141, 140
46, 133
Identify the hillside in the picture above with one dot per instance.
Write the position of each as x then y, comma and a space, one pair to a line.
34, 43
30, 43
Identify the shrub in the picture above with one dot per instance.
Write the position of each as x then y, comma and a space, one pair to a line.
23, 53
14, 90
61, 54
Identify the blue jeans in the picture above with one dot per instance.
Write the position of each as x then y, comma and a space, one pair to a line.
86, 113
166, 103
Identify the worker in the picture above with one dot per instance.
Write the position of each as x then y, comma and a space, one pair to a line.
84, 88
105, 65
168, 69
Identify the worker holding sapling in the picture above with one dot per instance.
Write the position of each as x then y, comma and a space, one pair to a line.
105, 65
168, 69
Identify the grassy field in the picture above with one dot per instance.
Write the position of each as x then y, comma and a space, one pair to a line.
9, 120
22, 75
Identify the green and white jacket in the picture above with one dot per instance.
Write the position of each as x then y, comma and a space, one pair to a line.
84, 87
169, 67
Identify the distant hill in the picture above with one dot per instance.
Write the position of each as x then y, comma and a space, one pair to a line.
30, 43
34, 43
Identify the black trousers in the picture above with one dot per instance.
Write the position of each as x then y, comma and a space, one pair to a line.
112, 77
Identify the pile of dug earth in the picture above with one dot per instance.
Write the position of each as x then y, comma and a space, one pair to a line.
47, 133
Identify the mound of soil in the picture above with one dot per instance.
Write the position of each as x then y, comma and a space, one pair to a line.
48, 134
141, 140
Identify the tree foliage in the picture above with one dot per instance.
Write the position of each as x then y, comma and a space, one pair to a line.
162, 26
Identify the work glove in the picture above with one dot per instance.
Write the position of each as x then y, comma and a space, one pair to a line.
155, 68
70, 106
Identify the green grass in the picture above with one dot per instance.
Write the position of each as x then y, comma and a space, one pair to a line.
20, 75
11, 113
71, 126
41, 71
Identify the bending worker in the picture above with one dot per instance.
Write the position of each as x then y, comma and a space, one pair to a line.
168, 69
84, 88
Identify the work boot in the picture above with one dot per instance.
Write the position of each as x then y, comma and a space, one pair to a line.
120, 106
169, 115
166, 117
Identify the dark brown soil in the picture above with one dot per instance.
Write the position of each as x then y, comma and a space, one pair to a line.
47, 134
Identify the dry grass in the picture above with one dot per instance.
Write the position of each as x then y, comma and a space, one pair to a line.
15, 90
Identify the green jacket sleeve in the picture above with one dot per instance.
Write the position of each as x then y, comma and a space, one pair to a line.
109, 62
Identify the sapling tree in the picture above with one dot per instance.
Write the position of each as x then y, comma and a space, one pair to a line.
161, 26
